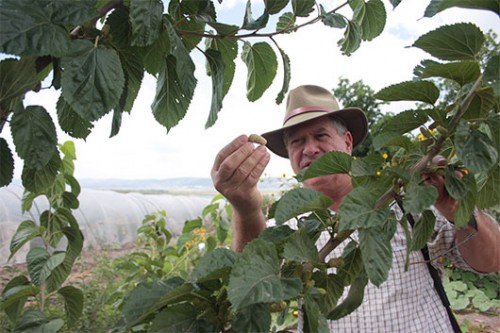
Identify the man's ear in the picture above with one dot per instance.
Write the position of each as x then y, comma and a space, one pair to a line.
348, 141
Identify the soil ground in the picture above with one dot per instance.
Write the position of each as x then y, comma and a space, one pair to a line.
479, 322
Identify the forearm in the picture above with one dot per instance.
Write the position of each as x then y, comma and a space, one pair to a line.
481, 251
246, 227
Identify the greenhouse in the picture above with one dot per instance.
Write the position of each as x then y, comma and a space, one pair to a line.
107, 218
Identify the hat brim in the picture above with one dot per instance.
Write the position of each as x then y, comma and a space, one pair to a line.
354, 119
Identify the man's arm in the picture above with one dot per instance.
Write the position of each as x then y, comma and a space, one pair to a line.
235, 174
479, 248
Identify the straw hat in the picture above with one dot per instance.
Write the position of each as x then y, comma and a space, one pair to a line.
309, 102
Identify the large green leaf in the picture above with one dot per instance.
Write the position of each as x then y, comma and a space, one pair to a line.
6, 163
302, 7
26, 231
314, 320
358, 211
71, 122
148, 297
461, 72
422, 230
16, 78
146, 18
14, 296
353, 264
300, 247
73, 304
262, 65
330, 163
217, 68
474, 148
455, 187
253, 318
228, 49
34, 136
298, 201
489, 194
93, 80
436, 6
36, 321
275, 6
376, 252
483, 102
419, 197
353, 300
461, 41
467, 205
255, 277
490, 74
287, 76
373, 20
38, 181
176, 83
178, 318
352, 38
417, 90
214, 265
249, 23
405, 121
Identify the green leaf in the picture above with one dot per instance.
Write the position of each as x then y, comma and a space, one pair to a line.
474, 148
14, 296
34, 136
422, 91
330, 163
373, 21
380, 141
467, 205
300, 247
314, 320
353, 300
298, 201
483, 102
436, 6
16, 78
36, 321
262, 65
490, 74
249, 23
275, 6
228, 49
353, 264
376, 252
93, 80
255, 277
302, 8
287, 76
333, 20
217, 68
176, 83
419, 197
224, 29
253, 318
29, 29
352, 38
73, 304
6, 164
39, 180
454, 185
148, 297
461, 72
176, 319
422, 230
71, 122
460, 41
286, 23
358, 211
146, 18
26, 231
489, 194
214, 265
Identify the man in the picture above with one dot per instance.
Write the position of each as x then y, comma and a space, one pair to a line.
314, 125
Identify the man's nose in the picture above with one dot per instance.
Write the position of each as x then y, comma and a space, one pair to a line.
311, 148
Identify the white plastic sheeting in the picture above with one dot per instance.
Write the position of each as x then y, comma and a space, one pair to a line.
106, 218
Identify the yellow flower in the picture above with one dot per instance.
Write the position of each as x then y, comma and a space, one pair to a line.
283, 175
385, 156
378, 173
420, 137
187, 244
354, 157
464, 171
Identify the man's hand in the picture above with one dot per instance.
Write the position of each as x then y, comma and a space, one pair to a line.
237, 170
445, 204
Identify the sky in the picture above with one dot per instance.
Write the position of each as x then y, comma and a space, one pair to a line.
144, 150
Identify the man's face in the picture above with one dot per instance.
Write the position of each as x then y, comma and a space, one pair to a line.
307, 142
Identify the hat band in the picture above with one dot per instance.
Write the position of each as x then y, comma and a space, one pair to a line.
302, 114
